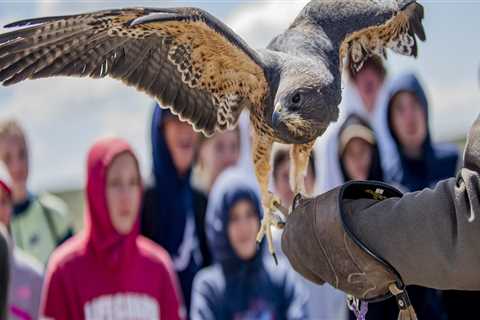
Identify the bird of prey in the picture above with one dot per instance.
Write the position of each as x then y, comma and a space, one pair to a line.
202, 71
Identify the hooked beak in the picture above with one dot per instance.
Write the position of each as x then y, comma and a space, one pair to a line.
276, 115
278, 108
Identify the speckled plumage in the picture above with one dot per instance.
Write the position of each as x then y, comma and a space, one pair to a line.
200, 69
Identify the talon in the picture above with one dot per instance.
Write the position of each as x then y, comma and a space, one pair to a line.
271, 202
281, 208
261, 232
278, 221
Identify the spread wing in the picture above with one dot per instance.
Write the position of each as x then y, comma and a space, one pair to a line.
353, 29
399, 33
184, 57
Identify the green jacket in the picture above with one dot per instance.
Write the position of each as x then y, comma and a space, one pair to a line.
42, 226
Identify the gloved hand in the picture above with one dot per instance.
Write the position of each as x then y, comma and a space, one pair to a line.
320, 246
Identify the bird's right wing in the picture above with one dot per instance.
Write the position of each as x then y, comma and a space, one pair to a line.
184, 57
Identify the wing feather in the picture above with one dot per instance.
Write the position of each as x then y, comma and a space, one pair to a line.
185, 58
399, 33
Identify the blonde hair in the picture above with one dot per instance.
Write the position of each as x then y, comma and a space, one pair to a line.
11, 128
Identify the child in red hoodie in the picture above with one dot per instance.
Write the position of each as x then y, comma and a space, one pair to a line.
109, 271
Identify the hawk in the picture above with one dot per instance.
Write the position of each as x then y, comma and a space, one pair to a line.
202, 71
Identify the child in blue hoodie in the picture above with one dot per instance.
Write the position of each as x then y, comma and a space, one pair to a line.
414, 161
173, 211
243, 283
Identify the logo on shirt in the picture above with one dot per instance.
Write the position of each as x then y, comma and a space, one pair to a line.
122, 306
188, 248
258, 310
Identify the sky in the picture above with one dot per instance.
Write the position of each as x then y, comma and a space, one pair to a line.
64, 116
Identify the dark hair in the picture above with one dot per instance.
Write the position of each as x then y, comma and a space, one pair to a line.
390, 113
373, 62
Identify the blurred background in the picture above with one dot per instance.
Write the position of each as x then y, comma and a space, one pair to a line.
63, 117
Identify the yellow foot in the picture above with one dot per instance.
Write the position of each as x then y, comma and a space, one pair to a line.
270, 219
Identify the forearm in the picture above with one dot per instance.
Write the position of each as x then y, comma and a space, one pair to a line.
369, 240
430, 237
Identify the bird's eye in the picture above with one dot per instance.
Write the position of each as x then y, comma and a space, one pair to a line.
296, 98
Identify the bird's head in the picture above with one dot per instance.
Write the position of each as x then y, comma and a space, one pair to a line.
306, 102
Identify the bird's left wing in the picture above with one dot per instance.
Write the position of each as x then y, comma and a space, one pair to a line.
356, 29
399, 33
184, 57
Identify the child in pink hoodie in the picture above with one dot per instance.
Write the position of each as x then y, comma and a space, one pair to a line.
109, 271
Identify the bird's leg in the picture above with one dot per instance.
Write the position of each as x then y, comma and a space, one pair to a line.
262, 148
299, 155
